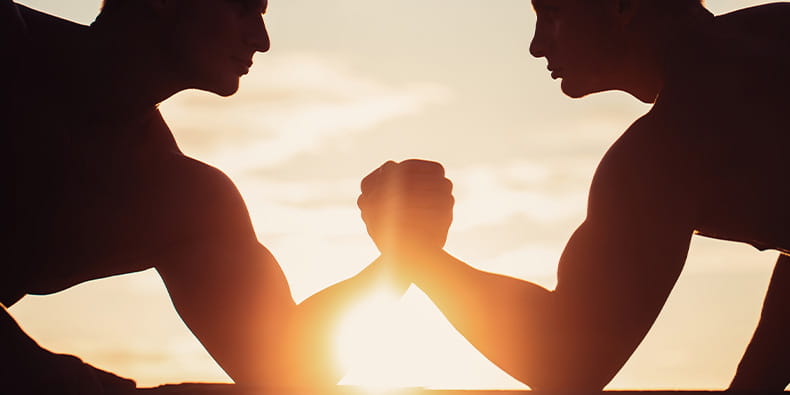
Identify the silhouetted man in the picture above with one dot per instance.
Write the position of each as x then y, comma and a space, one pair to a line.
99, 188
710, 157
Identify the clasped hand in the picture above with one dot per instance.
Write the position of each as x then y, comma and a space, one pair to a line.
407, 208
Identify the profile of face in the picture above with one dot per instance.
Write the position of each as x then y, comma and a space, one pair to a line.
212, 42
582, 41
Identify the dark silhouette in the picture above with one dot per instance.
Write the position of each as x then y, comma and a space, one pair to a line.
99, 187
710, 157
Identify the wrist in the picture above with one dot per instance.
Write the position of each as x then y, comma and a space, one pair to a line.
421, 266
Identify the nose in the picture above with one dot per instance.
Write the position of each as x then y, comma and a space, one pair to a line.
258, 36
538, 45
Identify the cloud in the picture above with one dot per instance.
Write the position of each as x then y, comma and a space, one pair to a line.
488, 194
291, 104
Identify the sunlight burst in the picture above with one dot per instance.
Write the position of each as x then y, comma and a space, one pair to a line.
370, 345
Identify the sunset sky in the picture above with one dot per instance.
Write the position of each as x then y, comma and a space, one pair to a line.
349, 84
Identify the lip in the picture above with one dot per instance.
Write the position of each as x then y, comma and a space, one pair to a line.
244, 65
555, 72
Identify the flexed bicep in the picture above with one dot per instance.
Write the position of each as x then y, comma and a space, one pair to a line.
236, 301
226, 286
621, 264
609, 293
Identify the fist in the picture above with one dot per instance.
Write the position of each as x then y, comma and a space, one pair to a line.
407, 206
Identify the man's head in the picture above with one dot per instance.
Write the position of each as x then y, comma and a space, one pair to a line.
202, 44
598, 45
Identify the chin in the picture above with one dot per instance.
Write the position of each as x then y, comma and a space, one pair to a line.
571, 92
224, 87
226, 90
576, 90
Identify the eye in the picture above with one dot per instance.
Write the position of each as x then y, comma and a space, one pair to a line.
550, 12
544, 9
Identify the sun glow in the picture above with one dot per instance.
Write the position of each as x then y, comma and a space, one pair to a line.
370, 343
387, 342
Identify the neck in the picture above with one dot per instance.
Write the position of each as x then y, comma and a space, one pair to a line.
646, 81
123, 83
654, 52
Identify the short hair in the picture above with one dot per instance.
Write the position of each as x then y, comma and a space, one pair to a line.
673, 6
678, 5
112, 8
111, 5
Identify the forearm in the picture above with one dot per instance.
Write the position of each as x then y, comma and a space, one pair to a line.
240, 308
316, 321
501, 316
544, 339
766, 364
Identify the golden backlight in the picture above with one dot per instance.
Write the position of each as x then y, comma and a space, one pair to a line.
319, 111
367, 342
389, 341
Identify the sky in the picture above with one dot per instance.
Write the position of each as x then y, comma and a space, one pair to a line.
349, 84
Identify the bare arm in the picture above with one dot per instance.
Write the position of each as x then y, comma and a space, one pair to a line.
576, 337
232, 294
614, 277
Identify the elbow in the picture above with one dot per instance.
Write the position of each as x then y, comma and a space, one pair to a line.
279, 376
576, 356
569, 369
563, 378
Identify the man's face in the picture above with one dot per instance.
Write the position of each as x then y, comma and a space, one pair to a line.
581, 41
213, 42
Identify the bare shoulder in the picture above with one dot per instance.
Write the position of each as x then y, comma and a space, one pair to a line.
13, 36
205, 203
218, 257
641, 213
651, 168
32, 42
197, 174
10, 16
621, 263
768, 21
43, 26
754, 42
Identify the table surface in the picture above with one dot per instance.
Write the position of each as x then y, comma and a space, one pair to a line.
230, 389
